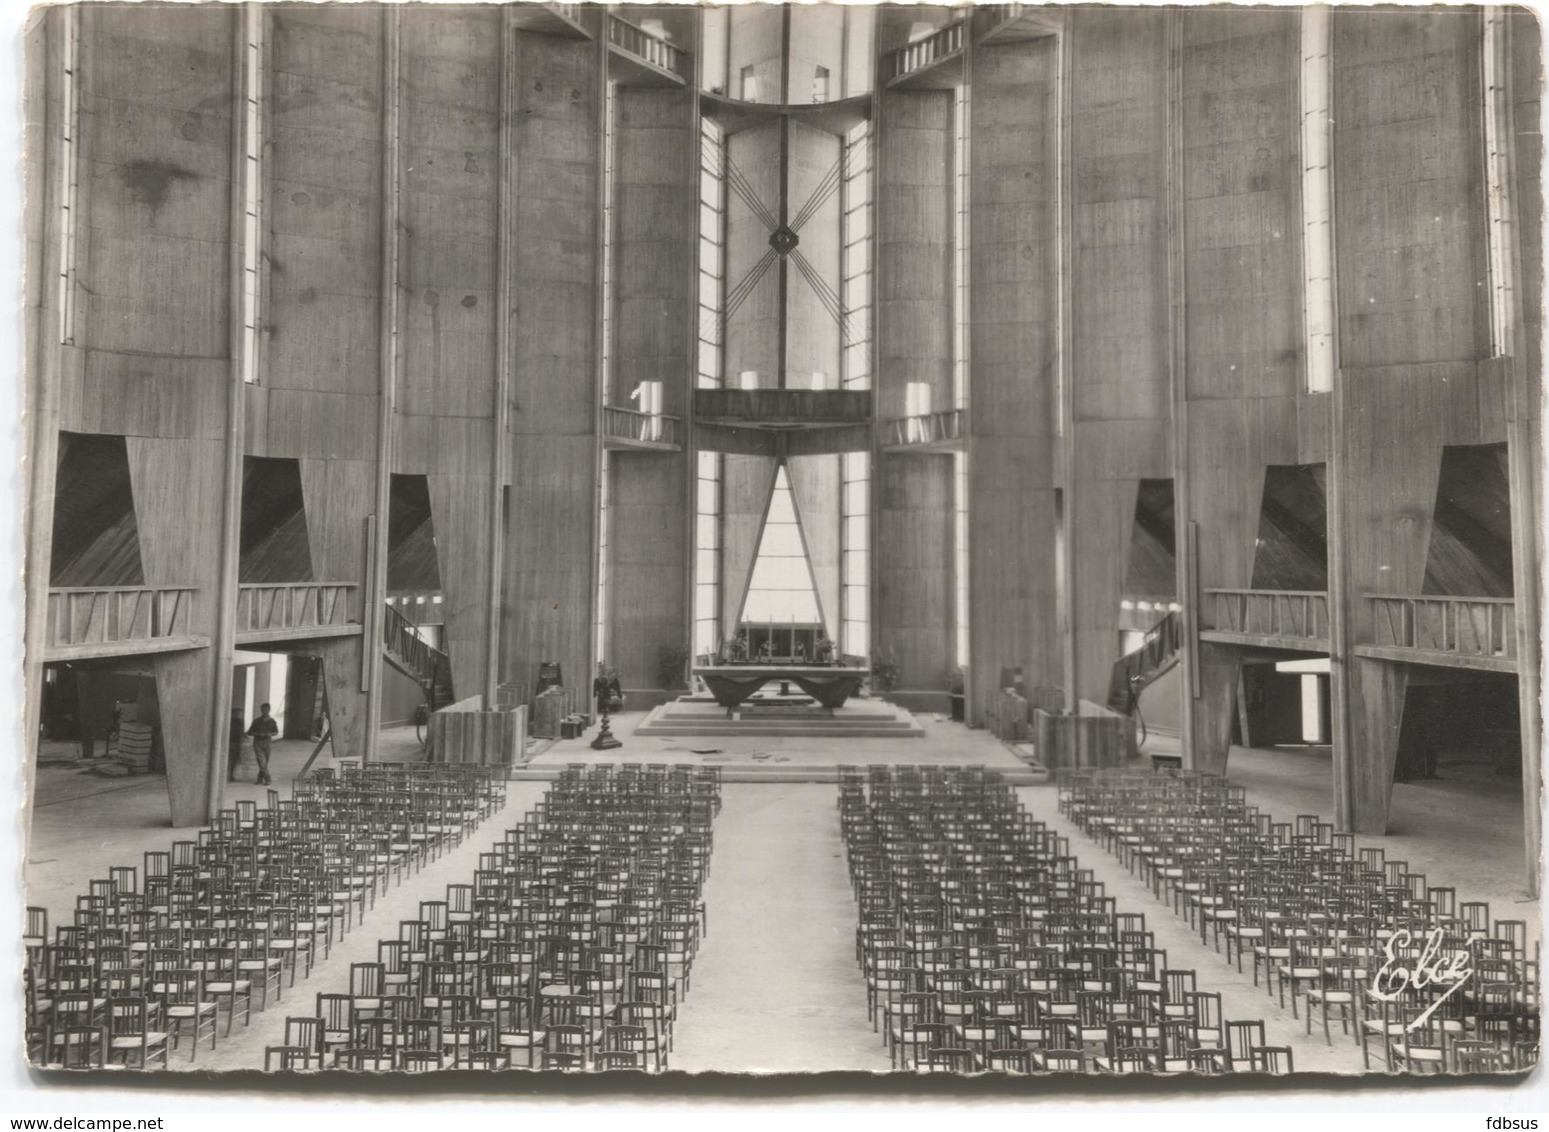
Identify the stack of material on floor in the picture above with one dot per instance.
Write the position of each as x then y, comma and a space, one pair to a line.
1006, 714
549, 710
134, 747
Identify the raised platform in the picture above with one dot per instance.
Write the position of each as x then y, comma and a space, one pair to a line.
762, 772
794, 717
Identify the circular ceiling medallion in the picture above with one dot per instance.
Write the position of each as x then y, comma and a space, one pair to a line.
783, 240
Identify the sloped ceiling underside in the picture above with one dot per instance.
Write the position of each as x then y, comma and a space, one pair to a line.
1292, 551
96, 538
274, 545
1151, 568
1470, 550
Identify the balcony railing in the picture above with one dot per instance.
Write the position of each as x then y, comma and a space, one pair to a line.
1288, 614
927, 428
924, 53
572, 12
1464, 626
636, 427
642, 44
275, 607
109, 615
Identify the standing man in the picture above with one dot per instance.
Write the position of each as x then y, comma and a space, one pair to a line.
263, 731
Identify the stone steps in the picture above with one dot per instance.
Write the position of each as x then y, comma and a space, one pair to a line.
765, 772
691, 719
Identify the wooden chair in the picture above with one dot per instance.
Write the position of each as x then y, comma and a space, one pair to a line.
1211, 1062
1338, 987
287, 1059
1242, 1037
948, 1059
130, 1035
186, 1007
223, 981
1271, 1059
365, 1060
74, 1047
1016, 1061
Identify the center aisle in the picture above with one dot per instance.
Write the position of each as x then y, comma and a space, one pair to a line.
776, 987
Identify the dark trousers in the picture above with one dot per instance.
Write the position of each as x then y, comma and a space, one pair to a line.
261, 753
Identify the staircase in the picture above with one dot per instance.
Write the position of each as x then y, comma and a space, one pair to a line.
1133, 673
425, 664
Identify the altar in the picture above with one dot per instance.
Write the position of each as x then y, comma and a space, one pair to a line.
829, 684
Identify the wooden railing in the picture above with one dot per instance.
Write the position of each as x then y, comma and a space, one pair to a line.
1467, 626
641, 43
929, 428
266, 607
925, 52
101, 615
1301, 614
645, 428
571, 12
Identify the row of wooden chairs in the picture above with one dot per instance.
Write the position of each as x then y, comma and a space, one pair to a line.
157, 954
985, 945
1322, 921
570, 949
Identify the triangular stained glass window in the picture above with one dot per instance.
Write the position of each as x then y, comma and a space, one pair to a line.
781, 589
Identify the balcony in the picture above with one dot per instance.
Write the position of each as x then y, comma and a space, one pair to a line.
296, 610
648, 59
565, 20
1275, 619
783, 408
1014, 23
926, 432
651, 432
105, 621
1453, 632
914, 65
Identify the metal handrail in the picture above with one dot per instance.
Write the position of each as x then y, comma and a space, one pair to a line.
432, 666
631, 424
925, 428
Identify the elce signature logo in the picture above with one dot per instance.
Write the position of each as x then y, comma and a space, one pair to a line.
1393, 978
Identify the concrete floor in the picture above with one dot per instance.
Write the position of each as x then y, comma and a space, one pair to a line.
1462, 828
942, 743
776, 987
82, 825
1240, 999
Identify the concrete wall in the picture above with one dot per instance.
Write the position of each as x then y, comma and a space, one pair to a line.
1241, 216
1014, 347
1121, 360
655, 227
549, 591
148, 350
912, 569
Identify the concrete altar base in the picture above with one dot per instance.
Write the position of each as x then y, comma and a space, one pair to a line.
691, 716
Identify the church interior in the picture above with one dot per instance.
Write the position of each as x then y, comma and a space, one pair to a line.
1080, 466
